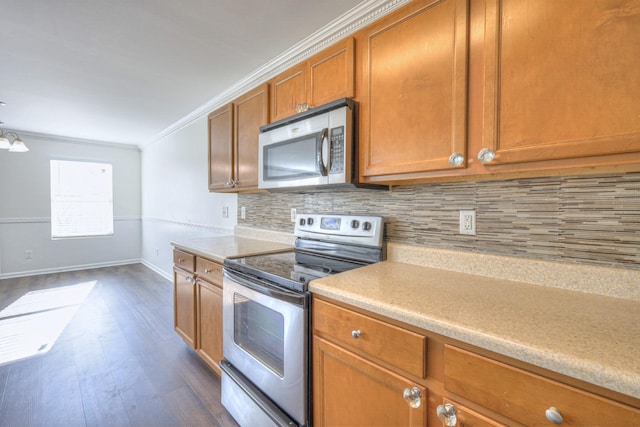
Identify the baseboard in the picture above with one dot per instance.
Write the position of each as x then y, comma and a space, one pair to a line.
157, 270
71, 268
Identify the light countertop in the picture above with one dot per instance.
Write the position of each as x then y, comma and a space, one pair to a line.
220, 247
590, 337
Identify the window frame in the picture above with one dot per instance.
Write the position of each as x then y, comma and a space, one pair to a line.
56, 199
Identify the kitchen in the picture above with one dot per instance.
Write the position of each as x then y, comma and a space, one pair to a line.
583, 220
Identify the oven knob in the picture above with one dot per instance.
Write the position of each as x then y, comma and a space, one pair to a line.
303, 221
366, 226
355, 224
310, 221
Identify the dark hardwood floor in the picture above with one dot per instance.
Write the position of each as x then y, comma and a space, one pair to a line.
118, 361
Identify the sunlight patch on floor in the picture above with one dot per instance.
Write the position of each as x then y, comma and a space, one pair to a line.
31, 325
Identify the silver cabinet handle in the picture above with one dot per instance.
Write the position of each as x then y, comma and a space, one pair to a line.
486, 155
207, 270
356, 334
553, 415
180, 260
456, 159
190, 280
447, 414
413, 397
230, 183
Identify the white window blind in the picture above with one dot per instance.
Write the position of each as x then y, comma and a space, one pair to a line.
81, 199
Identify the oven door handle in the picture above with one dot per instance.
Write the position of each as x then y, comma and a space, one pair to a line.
290, 297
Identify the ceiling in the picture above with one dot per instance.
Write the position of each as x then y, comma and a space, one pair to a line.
124, 71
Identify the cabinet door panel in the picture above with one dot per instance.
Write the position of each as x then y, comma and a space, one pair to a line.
251, 112
351, 391
220, 148
331, 74
561, 79
288, 90
413, 99
184, 307
210, 324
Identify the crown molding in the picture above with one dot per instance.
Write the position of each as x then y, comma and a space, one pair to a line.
350, 22
67, 139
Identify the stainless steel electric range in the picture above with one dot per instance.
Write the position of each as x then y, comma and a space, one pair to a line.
266, 316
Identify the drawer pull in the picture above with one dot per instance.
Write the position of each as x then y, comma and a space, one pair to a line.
189, 279
413, 397
447, 414
553, 415
356, 334
207, 270
180, 260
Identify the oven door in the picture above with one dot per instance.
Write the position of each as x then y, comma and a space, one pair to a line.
266, 339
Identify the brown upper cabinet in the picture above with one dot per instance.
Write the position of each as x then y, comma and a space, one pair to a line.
514, 87
233, 141
413, 90
324, 77
561, 81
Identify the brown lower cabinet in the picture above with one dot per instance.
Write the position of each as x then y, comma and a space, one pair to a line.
350, 390
184, 304
198, 305
367, 370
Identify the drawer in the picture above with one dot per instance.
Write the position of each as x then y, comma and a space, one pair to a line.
184, 260
401, 348
209, 270
525, 397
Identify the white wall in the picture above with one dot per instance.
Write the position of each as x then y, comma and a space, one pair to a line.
176, 203
25, 210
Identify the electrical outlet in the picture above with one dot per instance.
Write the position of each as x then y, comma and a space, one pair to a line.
468, 222
225, 212
243, 212
293, 214
28, 254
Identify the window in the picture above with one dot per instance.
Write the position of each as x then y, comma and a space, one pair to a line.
81, 199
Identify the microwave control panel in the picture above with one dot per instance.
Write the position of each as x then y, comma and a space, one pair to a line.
337, 150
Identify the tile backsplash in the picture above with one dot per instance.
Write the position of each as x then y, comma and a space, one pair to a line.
584, 219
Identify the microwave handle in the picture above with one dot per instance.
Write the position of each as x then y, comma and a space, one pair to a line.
324, 170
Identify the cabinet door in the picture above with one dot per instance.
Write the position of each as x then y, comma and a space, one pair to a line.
288, 91
331, 74
220, 148
184, 306
351, 391
210, 324
561, 79
413, 90
251, 112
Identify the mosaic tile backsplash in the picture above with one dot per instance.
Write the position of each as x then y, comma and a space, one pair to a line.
584, 219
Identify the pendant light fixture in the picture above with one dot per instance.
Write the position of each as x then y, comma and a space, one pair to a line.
14, 146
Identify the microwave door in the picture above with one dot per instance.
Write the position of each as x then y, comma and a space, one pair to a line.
295, 162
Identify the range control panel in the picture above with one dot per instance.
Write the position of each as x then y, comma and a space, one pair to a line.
355, 229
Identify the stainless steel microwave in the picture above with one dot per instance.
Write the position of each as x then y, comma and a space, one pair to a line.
311, 149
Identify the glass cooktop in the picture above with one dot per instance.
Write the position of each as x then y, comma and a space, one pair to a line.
291, 269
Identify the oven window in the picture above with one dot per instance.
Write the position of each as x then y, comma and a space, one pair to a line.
259, 331
291, 159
